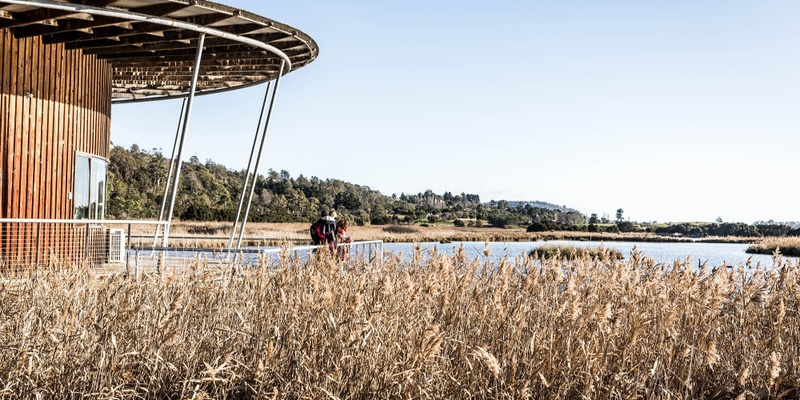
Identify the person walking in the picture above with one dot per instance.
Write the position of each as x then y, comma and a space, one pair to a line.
326, 230
342, 238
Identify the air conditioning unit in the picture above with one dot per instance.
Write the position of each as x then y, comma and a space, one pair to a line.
116, 245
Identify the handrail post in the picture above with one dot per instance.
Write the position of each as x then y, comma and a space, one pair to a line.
128, 252
87, 242
136, 265
38, 250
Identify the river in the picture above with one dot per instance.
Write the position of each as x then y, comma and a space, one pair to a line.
662, 252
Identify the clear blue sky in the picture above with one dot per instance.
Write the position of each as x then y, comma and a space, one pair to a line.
672, 111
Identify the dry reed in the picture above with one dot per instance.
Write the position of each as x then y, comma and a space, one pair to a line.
789, 246
432, 327
572, 252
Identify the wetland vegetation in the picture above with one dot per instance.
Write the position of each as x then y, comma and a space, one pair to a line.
433, 326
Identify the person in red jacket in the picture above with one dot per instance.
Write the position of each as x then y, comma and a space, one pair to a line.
326, 230
343, 238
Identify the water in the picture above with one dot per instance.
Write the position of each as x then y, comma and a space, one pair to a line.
697, 252
668, 252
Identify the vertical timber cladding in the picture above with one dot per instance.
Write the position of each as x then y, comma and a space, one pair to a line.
53, 102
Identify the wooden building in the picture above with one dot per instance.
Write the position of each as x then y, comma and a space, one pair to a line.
63, 63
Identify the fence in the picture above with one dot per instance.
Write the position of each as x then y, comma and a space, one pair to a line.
130, 246
153, 258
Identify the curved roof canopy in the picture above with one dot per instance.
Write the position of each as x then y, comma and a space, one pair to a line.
151, 44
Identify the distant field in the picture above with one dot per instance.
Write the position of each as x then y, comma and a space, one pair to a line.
191, 233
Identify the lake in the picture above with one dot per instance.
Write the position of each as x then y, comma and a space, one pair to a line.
662, 252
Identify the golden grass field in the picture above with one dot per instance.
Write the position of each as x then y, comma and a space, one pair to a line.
433, 327
210, 234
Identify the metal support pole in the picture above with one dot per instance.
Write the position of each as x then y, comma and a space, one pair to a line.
188, 114
169, 174
249, 163
260, 149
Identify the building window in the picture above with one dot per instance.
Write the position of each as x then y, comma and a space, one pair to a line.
90, 187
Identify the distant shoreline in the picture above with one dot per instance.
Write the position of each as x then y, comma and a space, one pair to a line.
271, 234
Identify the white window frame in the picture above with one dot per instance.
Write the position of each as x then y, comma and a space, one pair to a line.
96, 200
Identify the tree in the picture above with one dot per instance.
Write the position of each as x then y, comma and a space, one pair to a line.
593, 219
502, 219
626, 226
619, 215
537, 227
210, 191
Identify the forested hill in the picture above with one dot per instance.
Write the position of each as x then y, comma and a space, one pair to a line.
210, 192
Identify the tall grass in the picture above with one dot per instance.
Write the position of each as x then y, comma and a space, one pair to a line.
572, 252
789, 246
432, 327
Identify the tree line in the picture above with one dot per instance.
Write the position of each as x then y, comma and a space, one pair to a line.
210, 192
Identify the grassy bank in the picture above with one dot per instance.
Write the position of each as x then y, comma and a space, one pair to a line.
789, 246
435, 327
210, 234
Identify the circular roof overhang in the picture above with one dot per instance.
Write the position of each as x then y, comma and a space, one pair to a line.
151, 44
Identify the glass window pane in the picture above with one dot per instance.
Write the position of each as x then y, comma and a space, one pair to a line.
99, 185
81, 188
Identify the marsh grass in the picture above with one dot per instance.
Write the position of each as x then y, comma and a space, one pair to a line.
435, 326
566, 252
789, 246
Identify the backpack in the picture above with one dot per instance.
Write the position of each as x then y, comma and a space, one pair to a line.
314, 234
322, 230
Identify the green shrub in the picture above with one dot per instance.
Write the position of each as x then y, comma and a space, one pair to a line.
382, 219
203, 230
537, 227
400, 229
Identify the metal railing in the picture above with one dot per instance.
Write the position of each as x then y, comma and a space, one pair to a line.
127, 246
154, 258
35, 243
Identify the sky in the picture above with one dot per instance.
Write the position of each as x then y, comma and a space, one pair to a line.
672, 111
